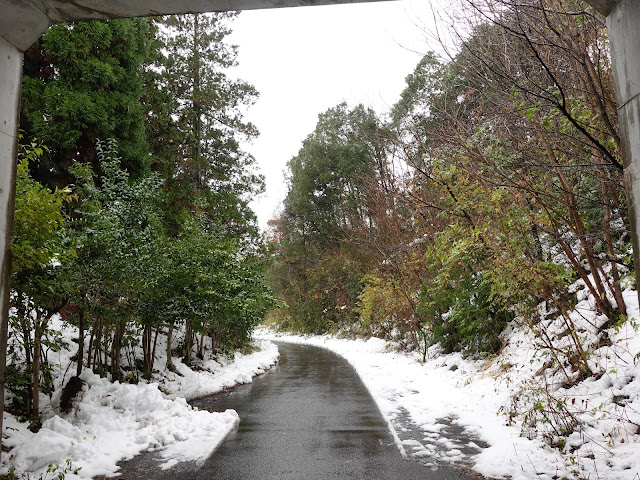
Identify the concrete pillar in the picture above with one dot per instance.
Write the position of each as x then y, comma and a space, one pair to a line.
10, 82
623, 24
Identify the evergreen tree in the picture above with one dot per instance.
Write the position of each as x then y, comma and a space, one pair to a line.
197, 123
82, 82
319, 269
326, 183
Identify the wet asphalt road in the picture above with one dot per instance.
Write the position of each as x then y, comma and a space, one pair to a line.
309, 418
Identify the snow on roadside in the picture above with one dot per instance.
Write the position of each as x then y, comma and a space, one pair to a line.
213, 376
116, 421
479, 397
428, 392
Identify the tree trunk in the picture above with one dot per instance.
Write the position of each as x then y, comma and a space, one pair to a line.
146, 351
97, 356
617, 290
27, 346
197, 108
90, 349
578, 228
188, 343
80, 342
169, 349
37, 342
116, 349
155, 344
201, 347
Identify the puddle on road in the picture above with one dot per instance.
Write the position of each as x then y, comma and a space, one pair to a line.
445, 443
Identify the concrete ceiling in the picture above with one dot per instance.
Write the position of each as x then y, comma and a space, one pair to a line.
23, 21
603, 6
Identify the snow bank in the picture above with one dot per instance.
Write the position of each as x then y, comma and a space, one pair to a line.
115, 421
214, 376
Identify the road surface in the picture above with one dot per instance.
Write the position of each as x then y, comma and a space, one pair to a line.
309, 418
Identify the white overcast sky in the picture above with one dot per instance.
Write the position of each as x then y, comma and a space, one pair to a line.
305, 60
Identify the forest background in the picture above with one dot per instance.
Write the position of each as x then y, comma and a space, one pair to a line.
489, 199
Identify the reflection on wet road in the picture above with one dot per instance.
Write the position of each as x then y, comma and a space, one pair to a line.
309, 418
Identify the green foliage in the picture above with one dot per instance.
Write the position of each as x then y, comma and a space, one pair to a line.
473, 323
59, 471
129, 269
54, 471
487, 193
202, 279
39, 250
38, 242
115, 251
456, 300
129, 252
316, 272
326, 177
379, 306
386, 308
421, 85
83, 82
116, 228
197, 123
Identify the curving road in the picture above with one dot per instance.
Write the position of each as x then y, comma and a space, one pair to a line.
309, 418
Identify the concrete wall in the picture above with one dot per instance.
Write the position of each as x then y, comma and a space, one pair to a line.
623, 24
10, 80
603, 6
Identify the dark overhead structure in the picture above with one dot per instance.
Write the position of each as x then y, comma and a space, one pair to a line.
603, 6
23, 21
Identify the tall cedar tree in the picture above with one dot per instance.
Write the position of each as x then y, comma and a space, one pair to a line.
196, 125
